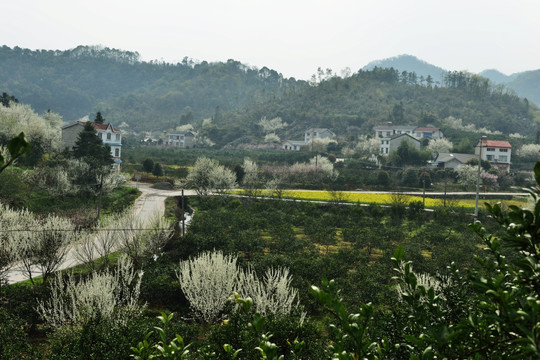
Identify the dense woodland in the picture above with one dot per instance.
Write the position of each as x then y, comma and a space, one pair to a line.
154, 96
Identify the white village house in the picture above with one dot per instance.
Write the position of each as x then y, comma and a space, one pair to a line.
182, 139
292, 145
317, 133
451, 160
497, 152
309, 135
391, 136
106, 132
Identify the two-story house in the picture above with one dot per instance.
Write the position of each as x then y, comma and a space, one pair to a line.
497, 152
391, 135
317, 133
181, 139
106, 132
309, 135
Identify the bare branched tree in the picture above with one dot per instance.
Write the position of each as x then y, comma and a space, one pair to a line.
45, 244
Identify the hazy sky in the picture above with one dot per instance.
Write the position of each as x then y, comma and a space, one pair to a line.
293, 37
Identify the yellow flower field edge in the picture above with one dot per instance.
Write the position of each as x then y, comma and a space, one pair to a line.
372, 198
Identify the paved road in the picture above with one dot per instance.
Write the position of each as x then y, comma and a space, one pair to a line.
153, 200
150, 202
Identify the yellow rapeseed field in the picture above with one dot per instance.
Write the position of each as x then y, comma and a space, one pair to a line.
370, 198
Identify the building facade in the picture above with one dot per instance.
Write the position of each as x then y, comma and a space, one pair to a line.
451, 160
292, 145
497, 152
386, 134
317, 133
181, 139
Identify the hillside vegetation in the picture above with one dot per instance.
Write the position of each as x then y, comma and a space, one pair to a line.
159, 96
146, 95
371, 97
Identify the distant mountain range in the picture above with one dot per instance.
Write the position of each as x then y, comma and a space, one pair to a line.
526, 84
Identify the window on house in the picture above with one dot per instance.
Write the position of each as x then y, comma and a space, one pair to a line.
490, 149
117, 136
490, 157
503, 158
503, 150
117, 152
108, 136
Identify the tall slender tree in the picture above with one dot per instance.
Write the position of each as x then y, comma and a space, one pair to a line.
99, 119
91, 150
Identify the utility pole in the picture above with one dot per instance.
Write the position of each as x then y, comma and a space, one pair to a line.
100, 196
183, 216
444, 200
424, 193
478, 177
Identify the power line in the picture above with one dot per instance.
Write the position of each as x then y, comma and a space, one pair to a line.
73, 230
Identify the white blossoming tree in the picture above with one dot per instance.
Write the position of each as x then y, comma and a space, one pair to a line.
111, 295
209, 279
207, 175
207, 282
436, 146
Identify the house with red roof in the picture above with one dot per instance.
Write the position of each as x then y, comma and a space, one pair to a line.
106, 132
497, 152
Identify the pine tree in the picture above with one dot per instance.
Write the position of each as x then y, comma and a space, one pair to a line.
91, 150
99, 119
148, 165
158, 170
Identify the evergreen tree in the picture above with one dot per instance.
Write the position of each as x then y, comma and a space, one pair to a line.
148, 165
91, 150
99, 119
5, 99
158, 170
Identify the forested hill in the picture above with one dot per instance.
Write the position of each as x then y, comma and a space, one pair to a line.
146, 95
161, 96
367, 98
525, 84
410, 64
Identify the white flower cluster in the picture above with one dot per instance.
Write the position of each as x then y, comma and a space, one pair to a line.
207, 175
272, 295
45, 130
209, 279
457, 124
111, 295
